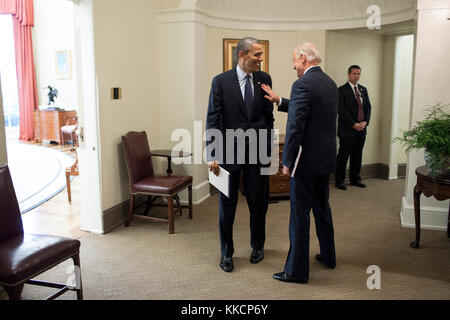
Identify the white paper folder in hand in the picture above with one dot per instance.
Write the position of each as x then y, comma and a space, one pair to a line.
221, 182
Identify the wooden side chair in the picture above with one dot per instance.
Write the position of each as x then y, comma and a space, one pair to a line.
70, 128
71, 171
25, 256
143, 180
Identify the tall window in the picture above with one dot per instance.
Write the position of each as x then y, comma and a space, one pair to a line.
8, 72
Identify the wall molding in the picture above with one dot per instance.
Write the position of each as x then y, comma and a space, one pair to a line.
401, 170
435, 217
115, 216
431, 218
373, 170
287, 23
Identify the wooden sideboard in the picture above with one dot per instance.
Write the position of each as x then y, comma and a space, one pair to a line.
279, 183
48, 123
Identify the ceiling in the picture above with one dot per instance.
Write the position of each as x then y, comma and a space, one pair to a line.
300, 14
399, 28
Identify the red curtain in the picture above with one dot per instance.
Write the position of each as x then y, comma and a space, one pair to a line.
22, 12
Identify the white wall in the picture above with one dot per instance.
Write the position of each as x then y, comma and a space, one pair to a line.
366, 50
184, 96
53, 31
386, 63
127, 56
165, 71
167, 4
387, 99
404, 60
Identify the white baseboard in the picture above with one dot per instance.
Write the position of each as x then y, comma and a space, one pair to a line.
431, 218
200, 193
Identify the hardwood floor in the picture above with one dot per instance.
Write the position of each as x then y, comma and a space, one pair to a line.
56, 216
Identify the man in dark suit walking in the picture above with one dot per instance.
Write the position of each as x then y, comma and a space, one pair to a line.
237, 106
309, 156
354, 116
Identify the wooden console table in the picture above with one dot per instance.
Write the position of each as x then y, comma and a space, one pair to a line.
438, 186
278, 182
48, 123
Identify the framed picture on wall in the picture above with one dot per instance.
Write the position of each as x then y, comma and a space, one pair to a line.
230, 59
63, 62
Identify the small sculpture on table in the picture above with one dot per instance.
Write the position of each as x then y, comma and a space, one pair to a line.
52, 94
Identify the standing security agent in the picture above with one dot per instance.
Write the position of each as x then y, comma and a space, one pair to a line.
354, 116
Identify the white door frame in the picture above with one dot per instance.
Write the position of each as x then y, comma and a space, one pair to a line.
91, 216
3, 153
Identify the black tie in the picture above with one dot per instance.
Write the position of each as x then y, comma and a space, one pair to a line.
248, 97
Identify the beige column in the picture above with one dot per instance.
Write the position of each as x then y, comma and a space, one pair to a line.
431, 76
184, 91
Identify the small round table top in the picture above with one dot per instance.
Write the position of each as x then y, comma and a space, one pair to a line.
442, 178
170, 153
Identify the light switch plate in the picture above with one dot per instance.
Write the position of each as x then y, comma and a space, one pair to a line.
116, 93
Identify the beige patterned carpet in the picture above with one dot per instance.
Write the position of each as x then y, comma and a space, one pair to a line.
145, 262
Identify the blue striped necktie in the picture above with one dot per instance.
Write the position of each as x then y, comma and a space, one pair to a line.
248, 97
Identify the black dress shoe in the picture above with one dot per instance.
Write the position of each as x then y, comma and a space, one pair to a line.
257, 256
341, 186
282, 276
358, 184
226, 264
319, 258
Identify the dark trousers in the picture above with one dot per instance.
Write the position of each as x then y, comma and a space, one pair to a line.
308, 193
350, 147
257, 193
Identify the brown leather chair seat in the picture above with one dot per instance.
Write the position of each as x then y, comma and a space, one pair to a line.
24, 256
143, 180
162, 184
27, 255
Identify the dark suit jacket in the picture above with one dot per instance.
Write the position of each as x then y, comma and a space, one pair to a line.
311, 123
226, 109
348, 109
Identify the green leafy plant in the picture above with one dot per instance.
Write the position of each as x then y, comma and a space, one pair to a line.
432, 134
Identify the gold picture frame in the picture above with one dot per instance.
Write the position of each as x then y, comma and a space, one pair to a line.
230, 58
63, 64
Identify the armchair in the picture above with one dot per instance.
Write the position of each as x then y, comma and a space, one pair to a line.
25, 256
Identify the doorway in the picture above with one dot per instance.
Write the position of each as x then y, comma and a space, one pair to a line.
57, 31
8, 78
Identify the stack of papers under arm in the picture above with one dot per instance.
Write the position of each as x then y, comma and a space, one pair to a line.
221, 182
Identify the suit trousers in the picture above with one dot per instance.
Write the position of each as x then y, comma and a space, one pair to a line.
257, 194
308, 193
352, 147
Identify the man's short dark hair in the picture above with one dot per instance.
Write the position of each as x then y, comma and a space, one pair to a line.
350, 69
245, 45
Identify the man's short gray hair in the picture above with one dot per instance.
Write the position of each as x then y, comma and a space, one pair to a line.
311, 53
245, 45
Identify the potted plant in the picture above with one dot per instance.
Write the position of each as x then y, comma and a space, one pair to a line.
432, 134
